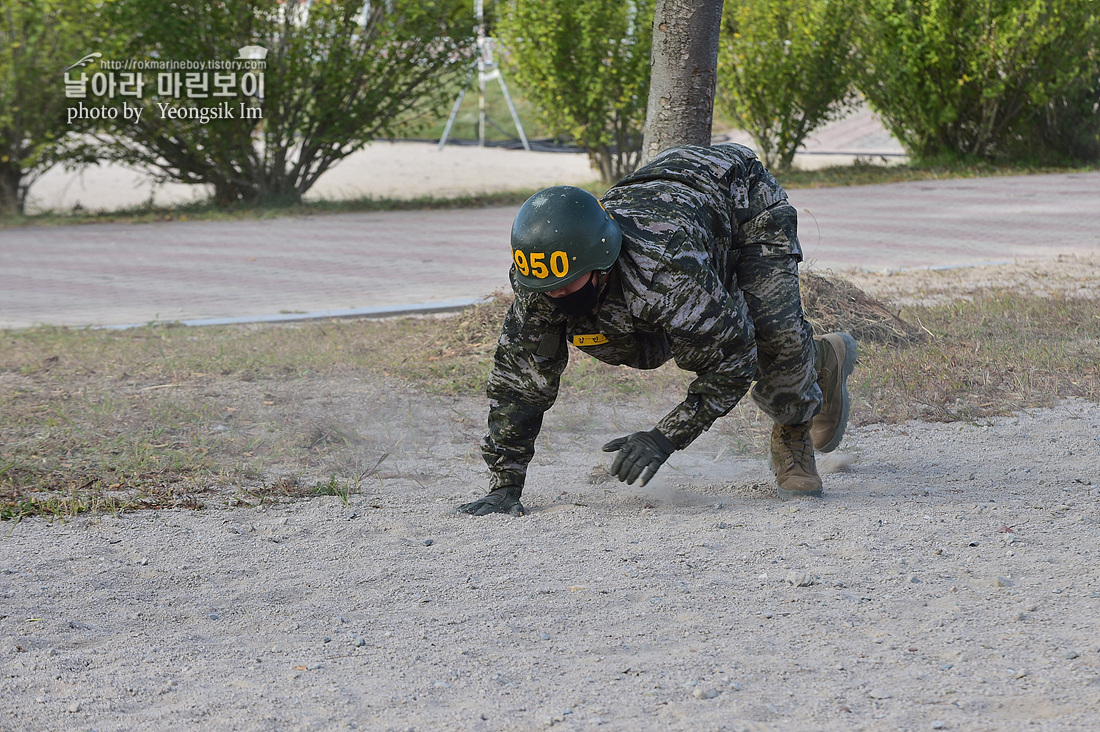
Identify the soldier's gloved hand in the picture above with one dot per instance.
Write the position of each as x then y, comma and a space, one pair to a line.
502, 500
640, 454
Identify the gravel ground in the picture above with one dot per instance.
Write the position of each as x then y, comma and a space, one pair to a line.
948, 580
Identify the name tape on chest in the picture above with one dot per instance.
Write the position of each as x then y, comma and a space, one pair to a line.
591, 339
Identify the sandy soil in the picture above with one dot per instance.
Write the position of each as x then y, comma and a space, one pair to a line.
413, 169
381, 170
1063, 276
948, 580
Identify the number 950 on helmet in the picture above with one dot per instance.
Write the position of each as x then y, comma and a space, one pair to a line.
561, 234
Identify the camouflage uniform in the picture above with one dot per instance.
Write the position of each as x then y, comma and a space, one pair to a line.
707, 276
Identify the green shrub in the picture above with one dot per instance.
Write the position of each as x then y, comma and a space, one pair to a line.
1065, 129
38, 39
338, 75
585, 66
966, 78
784, 70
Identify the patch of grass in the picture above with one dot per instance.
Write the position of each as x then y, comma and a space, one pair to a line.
998, 353
62, 504
108, 421
264, 492
343, 488
208, 211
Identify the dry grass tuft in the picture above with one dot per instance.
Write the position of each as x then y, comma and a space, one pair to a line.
834, 304
476, 329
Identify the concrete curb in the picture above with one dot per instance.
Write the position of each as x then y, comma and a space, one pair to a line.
449, 306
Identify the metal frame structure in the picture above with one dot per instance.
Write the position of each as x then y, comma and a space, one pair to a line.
487, 70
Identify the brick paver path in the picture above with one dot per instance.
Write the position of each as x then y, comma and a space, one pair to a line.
102, 274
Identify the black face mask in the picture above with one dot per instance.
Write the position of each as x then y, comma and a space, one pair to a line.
581, 302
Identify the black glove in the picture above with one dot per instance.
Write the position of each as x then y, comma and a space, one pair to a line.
502, 500
641, 454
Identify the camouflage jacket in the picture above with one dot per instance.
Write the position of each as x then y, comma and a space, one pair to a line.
671, 294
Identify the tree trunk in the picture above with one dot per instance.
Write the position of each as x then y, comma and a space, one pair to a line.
226, 192
11, 192
682, 77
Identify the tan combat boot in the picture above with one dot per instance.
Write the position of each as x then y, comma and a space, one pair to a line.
836, 357
792, 458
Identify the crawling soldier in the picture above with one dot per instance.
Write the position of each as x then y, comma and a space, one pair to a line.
693, 257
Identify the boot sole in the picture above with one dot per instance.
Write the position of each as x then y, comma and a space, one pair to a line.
786, 495
846, 368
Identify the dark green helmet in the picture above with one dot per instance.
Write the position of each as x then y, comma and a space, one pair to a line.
561, 234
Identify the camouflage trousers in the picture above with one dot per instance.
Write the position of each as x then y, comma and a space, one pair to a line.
786, 383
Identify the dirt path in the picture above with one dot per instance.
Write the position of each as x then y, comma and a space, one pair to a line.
949, 580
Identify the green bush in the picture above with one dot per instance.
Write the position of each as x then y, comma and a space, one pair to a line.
585, 66
338, 75
38, 39
1065, 129
977, 78
784, 70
